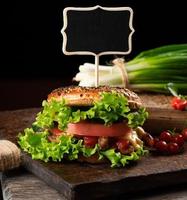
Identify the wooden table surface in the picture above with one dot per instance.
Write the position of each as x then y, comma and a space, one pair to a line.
20, 184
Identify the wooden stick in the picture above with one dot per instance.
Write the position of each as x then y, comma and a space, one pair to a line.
96, 70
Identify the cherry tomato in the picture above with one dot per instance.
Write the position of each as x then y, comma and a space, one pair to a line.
178, 103
178, 138
173, 148
149, 140
90, 141
122, 145
156, 139
161, 146
184, 133
165, 136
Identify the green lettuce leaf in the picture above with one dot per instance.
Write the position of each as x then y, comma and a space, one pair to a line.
117, 159
54, 111
39, 147
111, 108
87, 152
37, 144
137, 118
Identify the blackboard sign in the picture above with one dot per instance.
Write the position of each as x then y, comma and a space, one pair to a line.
97, 30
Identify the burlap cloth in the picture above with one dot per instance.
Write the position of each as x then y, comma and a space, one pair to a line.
10, 155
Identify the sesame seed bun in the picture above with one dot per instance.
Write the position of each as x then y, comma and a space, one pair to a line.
86, 96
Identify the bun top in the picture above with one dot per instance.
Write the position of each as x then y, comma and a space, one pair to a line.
86, 96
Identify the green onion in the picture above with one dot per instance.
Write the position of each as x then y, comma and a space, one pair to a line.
150, 71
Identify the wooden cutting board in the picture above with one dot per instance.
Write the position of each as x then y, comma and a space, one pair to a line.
80, 181
84, 181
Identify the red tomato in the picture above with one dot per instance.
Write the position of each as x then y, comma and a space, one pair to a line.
148, 140
173, 148
165, 136
178, 138
161, 146
122, 145
179, 104
184, 133
87, 128
90, 141
56, 131
156, 139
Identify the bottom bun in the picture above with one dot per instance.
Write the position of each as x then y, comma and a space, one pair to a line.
92, 159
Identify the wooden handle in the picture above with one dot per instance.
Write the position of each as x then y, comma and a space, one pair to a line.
10, 155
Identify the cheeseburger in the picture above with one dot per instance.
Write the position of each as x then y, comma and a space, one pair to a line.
87, 124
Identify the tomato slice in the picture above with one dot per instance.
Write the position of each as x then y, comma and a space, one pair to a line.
87, 128
90, 141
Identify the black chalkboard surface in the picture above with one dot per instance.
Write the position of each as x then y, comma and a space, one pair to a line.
97, 30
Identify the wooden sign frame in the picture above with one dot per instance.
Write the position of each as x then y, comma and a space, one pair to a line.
90, 9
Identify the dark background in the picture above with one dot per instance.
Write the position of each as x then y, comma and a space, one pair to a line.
33, 63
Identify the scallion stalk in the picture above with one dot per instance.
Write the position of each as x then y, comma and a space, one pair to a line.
151, 70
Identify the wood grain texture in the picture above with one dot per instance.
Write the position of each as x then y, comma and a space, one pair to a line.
13, 122
160, 101
163, 119
19, 184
